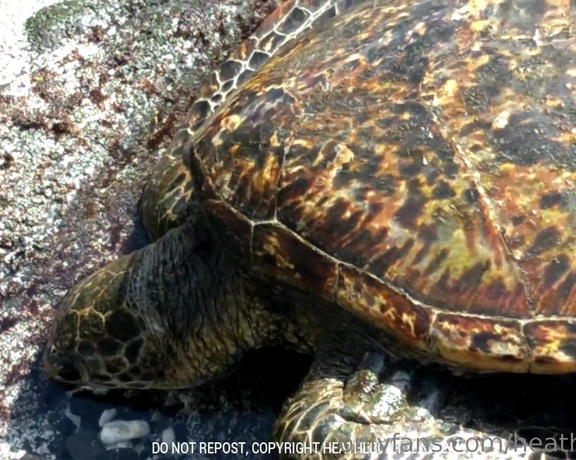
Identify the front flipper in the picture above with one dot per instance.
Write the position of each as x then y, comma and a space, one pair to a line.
382, 412
167, 196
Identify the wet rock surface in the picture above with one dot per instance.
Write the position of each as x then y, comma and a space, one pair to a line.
90, 96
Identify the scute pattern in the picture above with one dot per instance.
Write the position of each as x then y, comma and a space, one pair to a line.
283, 253
244, 180
284, 24
359, 292
427, 150
481, 343
512, 116
553, 347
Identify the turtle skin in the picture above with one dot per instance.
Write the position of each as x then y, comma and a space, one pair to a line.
396, 182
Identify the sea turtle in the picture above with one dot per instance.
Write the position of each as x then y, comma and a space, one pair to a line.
363, 180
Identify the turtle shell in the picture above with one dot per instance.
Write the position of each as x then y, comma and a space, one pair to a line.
415, 163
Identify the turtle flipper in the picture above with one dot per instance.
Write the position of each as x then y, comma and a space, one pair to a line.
380, 411
171, 315
164, 199
167, 197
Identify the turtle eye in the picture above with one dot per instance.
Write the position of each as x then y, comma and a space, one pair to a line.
69, 373
61, 365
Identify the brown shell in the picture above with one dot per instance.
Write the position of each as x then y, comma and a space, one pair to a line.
415, 163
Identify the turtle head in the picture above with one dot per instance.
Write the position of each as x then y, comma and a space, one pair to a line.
164, 317
100, 339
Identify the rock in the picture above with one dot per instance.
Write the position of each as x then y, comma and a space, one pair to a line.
75, 419
107, 416
123, 430
83, 445
121, 445
118, 454
168, 435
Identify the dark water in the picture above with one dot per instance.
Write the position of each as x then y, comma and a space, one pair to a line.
239, 408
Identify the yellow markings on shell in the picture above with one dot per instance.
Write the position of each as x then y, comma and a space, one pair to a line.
550, 347
501, 121
475, 64
420, 28
387, 153
355, 165
409, 321
343, 155
446, 93
272, 246
480, 26
508, 168
505, 348
274, 142
405, 116
234, 149
567, 138
389, 313
365, 35
304, 143
355, 57
265, 175
451, 88
231, 122
400, 16
554, 102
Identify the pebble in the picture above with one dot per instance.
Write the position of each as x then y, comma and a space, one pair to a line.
168, 435
83, 445
120, 445
123, 430
118, 454
107, 416
75, 419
